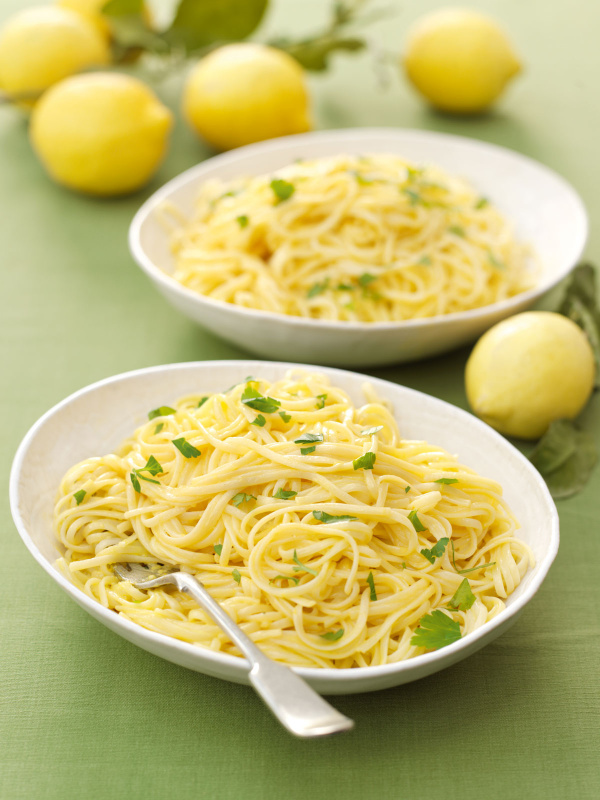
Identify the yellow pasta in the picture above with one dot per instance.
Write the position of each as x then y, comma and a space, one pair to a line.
348, 238
245, 489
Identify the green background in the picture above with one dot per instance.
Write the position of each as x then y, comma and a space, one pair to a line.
86, 714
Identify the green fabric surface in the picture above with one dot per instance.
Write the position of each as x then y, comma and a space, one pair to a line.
85, 714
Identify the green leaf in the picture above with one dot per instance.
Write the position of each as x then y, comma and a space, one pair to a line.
317, 288
242, 497
414, 518
242, 220
366, 461
285, 417
326, 518
457, 230
424, 261
152, 466
372, 430
414, 197
463, 598
437, 551
79, 496
360, 179
304, 451
282, 494
406, 489
345, 287
436, 630
302, 566
307, 438
495, 262
202, 401
285, 578
218, 548
163, 411
260, 421
580, 304
185, 448
236, 576
314, 54
365, 279
159, 428
254, 399
282, 189
565, 457
471, 569
446, 481
199, 23
119, 8
145, 477
371, 582
321, 400
482, 202
135, 482
332, 636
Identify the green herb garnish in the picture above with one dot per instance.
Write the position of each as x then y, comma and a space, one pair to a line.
242, 220
321, 400
366, 461
242, 497
326, 518
152, 466
202, 401
424, 261
218, 548
463, 598
285, 578
414, 197
163, 411
159, 428
495, 262
345, 287
306, 438
370, 431
79, 496
407, 490
134, 482
260, 421
418, 525
360, 179
332, 636
304, 451
302, 566
482, 202
282, 494
366, 278
436, 630
371, 582
285, 417
254, 399
446, 481
471, 569
457, 230
236, 576
318, 288
437, 551
565, 457
185, 448
282, 189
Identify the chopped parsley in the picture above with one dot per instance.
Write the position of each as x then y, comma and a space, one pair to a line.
495, 262
482, 202
304, 451
282, 494
285, 578
254, 399
360, 179
321, 400
446, 481
302, 566
185, 448
437, 551
202, 401
307, 438
159, 428
218, 548
242, 497
236, 576
424, 261
332, 636
366, 278
162, 411
471, 569
326, 518
242, 220
285, 417
418, 525
135, 483
371, 582
345, 287
318, 288
463, 598
79, 496
282, 189
366, 461
457, 230
370, 431
260, 421
413, 196
436, 630
407, 489
152, 466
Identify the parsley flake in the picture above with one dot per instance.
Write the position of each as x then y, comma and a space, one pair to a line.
236, 576
463, 598
371, 582
242, 220
482, 202
345, 287
457, 230
304, 451
185, 448
79, 496
321, 400
282, 189
370, 431
254, 399
202, 401
218, 548
285, 417
285, 578
282, 494
302, 566
163, 411
366, 461
318, 288
332, 636
418, 525
471, 569
495, 262
424, 261
437, 551
134, 482
307, 438
327, 519
242, 497
159, 428
366, 278
152, 466
436, 630
360, 179
406, 489
260, 421
446, 481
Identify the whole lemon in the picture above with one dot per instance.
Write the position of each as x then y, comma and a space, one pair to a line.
244, 93
103, 133
459, 60
44, 44
528, 371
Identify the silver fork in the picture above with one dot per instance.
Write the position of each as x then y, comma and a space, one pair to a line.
298, 707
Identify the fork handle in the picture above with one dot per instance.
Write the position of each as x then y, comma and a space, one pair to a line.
295, 704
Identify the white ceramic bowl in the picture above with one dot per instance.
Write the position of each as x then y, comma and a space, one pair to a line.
96, 419
545, 209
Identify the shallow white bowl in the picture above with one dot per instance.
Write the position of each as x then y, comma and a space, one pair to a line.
96, 419
545, 210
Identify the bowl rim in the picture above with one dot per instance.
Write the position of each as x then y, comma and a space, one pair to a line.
220, 660
167, 282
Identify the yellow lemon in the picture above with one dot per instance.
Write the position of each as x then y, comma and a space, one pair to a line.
92, 11
244, 93
459, 60
528, 371
103, 133
44, 44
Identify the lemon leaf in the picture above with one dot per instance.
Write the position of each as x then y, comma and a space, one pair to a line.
198, 23
565, 457
580, 304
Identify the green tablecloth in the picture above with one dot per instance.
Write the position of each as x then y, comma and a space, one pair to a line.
88, 715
